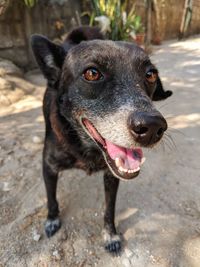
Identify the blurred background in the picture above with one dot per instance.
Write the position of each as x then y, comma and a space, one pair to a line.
148, 21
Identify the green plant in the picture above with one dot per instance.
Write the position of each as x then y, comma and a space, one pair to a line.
137, 25
30, 3
123, 23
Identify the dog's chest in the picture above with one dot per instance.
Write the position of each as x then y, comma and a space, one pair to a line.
91, 160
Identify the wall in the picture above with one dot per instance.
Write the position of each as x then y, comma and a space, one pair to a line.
167, 17
52, 18
56, 17
195, 22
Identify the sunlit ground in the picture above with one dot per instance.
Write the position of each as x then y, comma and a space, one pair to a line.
158, 213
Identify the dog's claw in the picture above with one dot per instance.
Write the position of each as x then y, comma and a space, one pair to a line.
114, 247
113, 242
52, 226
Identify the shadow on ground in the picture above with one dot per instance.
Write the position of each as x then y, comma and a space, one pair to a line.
158, 213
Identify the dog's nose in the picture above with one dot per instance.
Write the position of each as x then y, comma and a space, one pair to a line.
147, 128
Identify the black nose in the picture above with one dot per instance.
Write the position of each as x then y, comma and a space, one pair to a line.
147, 128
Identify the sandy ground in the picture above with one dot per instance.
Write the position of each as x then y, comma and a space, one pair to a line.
158, 213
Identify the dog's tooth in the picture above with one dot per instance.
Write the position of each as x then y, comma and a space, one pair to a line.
143, 160
121, 169
137, 169
118, 162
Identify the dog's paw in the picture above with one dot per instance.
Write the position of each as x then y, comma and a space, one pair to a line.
114, 246
113, 243
52, 226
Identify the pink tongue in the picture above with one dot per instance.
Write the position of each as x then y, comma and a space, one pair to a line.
131, 157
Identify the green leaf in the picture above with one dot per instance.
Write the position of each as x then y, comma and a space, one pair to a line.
114, 10
30, 3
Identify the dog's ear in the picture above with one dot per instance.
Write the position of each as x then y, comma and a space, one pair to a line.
160, 93
84, 33
49, 56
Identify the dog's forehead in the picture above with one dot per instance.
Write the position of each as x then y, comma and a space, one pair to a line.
105, 51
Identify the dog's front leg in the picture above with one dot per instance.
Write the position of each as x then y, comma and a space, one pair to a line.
53, 222
112, 239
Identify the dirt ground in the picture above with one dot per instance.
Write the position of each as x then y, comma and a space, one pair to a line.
158, 213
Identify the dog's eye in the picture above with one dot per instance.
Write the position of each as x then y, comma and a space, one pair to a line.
92, 74
152, 76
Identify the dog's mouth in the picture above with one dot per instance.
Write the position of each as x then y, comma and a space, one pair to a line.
123, 162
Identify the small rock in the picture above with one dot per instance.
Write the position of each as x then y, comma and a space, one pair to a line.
9, 158
6, 85
56, 254
197, 229
1, 161
126, 262
7, 67
36, 236
5, 186
128, 252
21, 84
37, 140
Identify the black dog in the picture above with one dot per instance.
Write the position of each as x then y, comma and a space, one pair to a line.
99, 113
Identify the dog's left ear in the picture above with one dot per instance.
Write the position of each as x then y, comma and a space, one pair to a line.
49, 56
159, 93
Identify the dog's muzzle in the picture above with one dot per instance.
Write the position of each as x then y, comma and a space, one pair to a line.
123, 162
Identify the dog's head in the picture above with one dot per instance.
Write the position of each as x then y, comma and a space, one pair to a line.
106, 88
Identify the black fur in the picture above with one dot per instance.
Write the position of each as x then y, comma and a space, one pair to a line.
68, 96
159, 93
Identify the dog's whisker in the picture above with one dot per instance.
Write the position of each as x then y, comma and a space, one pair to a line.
176, 131
165, 104
163, 145
168, 144
170, 140
168, 117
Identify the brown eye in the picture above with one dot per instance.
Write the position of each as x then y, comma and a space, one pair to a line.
151, 76
92, 74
